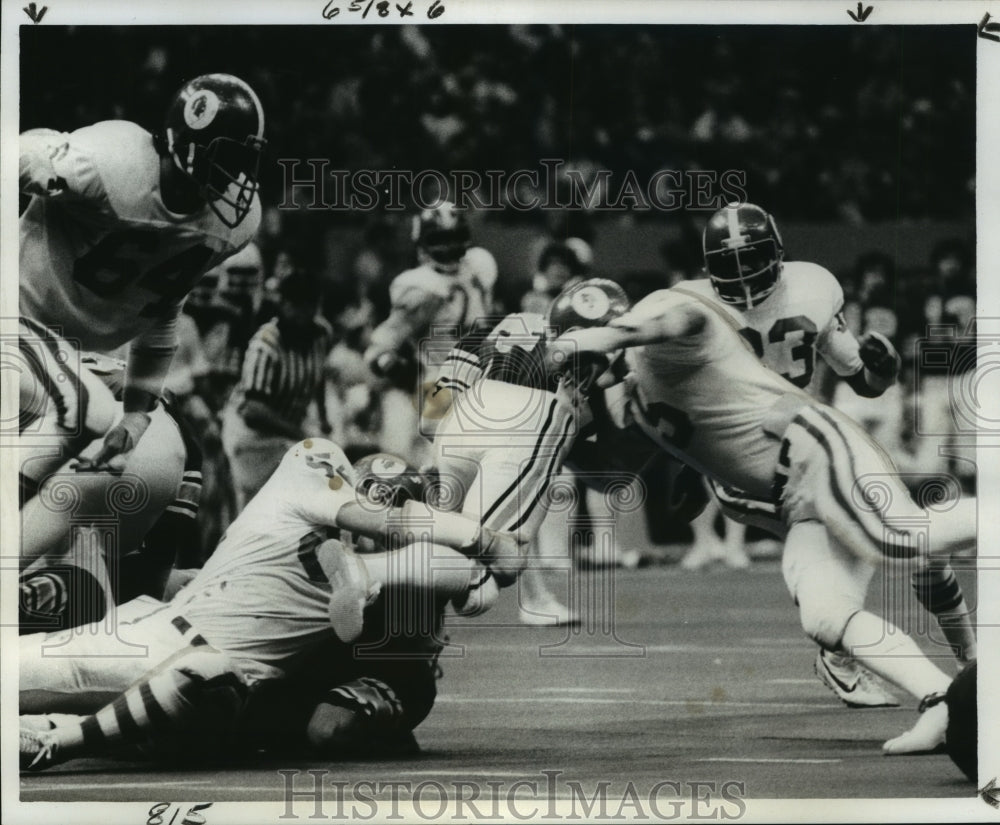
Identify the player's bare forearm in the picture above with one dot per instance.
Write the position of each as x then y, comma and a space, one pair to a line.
449, 529
503, 552
634, 332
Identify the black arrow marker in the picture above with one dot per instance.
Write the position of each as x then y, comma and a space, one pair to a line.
34, 13
862, 14
987, 30
990, 793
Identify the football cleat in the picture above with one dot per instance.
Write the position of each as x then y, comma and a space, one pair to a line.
39, 749
928, 735
743, 254
214, 133
548, 614
854, 685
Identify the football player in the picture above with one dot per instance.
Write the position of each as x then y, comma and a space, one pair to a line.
503, 424
702, 394
450, 288
281, 582
120, 226
791, 312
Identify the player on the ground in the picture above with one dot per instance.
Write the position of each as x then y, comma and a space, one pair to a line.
120, 226
282, 582
702, 394
791, 312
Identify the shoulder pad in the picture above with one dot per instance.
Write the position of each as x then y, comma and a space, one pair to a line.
126, 161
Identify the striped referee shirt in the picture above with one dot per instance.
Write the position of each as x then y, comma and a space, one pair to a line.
283, 377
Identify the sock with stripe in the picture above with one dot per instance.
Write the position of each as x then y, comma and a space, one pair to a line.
938, 590
190, 700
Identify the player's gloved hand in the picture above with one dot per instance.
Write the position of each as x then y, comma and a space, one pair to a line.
120, 439
504, 554
880, 357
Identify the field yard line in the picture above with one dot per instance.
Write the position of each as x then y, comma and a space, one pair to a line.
582, 690
595, 700
460, 772
90, 784
769, 761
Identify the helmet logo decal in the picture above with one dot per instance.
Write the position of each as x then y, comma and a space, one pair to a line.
200, 109
388, 467
591, 303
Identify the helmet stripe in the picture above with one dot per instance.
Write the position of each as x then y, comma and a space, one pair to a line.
733, 220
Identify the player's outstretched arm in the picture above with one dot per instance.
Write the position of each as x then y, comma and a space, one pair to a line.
631, 330
501, 551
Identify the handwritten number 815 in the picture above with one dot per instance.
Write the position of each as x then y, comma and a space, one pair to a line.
192, 817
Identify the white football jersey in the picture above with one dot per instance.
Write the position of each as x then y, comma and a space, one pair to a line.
268, 559
706, 397
803, 317
427, 303
102, 259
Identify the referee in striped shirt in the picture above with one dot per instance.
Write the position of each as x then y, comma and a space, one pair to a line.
283, 372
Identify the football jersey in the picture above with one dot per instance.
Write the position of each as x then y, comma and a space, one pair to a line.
263, 594
706, 398
427, 301
499, 376
102, 258
509, 349
803, 316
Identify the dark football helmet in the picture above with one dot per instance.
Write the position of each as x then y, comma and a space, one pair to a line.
214, 133
441, 235
590, 303
743, 254
387, 480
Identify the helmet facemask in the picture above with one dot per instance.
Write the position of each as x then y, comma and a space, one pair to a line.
225, 171
744, 275
445, 246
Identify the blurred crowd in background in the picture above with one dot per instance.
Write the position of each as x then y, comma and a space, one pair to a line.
842, 126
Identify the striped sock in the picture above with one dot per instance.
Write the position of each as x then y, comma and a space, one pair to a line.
197, 691
937, 589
